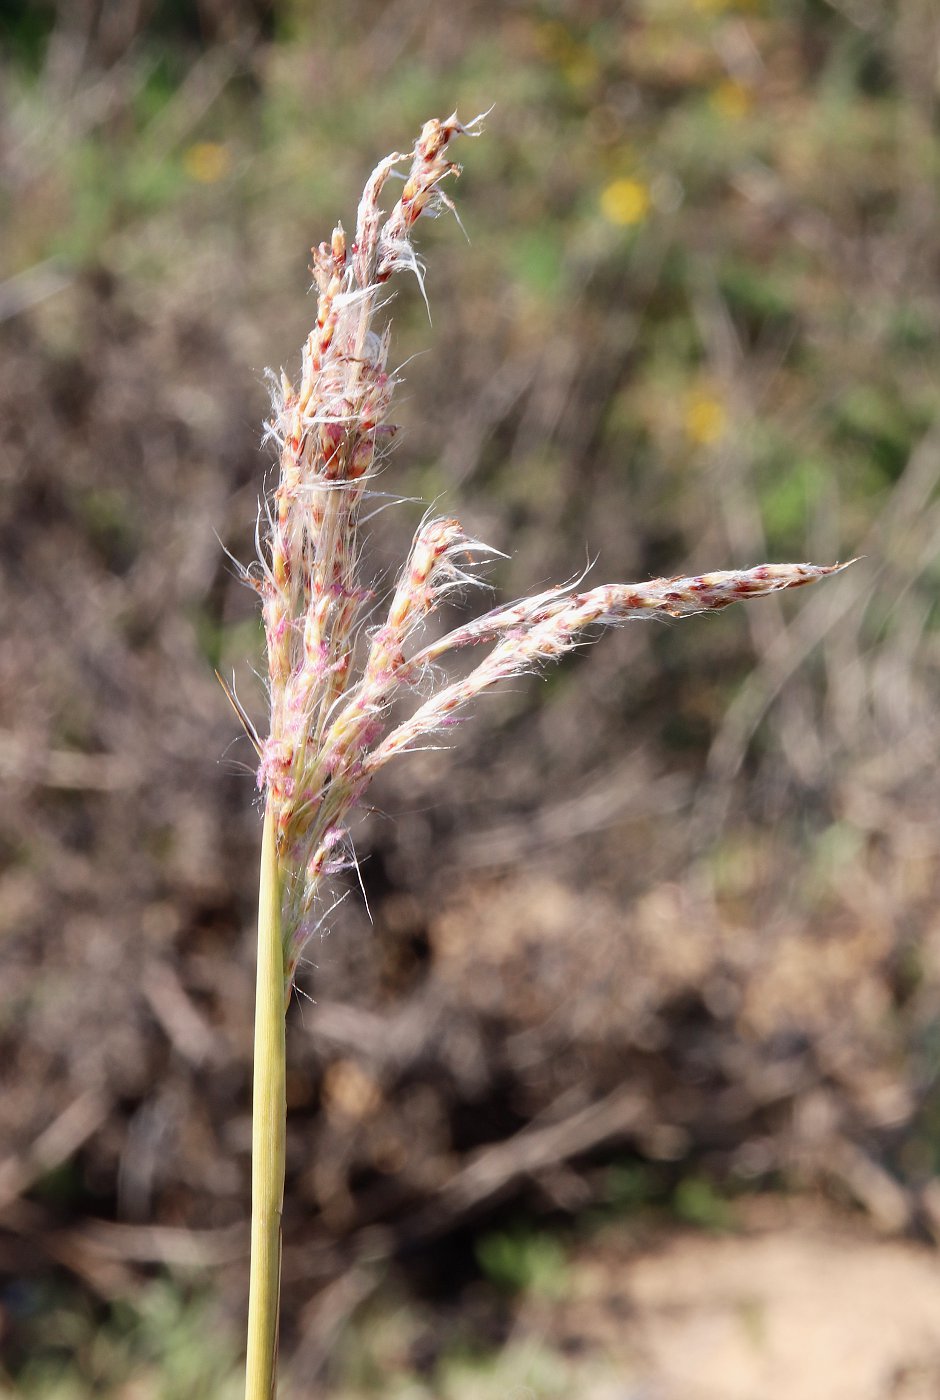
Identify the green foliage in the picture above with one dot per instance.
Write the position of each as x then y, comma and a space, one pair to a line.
225, 644
106, 518
523, 1260
369, 1364
791, 498
530, 1370
697, 1201
879, 421
25, 26
165, 1342
630, 1187
537, 261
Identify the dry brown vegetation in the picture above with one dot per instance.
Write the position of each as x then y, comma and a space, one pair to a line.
668, 919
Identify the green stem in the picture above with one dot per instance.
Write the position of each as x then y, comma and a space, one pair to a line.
269, 1119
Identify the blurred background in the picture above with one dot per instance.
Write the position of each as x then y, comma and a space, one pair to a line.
630, 1088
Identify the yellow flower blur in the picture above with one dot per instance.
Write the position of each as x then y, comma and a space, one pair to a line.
207, 161
731, 99
705, 418
625, 202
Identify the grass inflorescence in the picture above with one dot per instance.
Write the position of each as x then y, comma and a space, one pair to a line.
335, 674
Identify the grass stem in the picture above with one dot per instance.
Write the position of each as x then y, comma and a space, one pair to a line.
269, 1114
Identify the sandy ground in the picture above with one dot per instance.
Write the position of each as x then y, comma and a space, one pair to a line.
814, 1308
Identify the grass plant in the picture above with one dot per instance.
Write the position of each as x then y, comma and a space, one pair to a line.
348, 693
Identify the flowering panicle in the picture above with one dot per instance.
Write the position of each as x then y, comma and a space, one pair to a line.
329, 717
